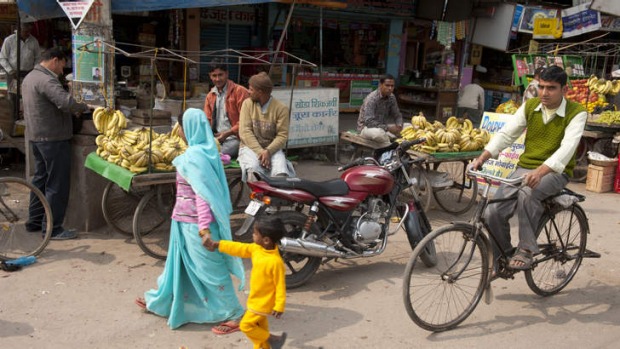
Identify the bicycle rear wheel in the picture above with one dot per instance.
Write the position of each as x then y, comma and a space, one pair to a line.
26, 220
461, 195
151, 221
439, 298
562, 241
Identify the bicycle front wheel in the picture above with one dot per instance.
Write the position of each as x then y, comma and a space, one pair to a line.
26, 220
562, 241
439, 298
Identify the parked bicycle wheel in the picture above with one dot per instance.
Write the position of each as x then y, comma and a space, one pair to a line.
562, 241
439, 298
118, 207
26, 220
151, 221
461, 195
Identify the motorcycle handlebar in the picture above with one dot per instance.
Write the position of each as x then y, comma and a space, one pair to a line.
408, 144
355, 162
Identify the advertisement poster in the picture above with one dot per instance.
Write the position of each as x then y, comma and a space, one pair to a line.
530, 14
89, 59
507, 160
580, 19
547, 28
360, 89
76, 10
314, 116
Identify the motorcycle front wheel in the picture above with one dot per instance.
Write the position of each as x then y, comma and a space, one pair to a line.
299, 268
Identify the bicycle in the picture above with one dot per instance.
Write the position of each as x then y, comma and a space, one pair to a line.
21, 203
439, 298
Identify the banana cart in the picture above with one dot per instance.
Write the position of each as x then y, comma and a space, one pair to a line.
140, 205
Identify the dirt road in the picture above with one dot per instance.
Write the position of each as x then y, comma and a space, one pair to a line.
80, 295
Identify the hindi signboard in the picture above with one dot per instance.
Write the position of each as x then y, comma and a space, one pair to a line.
314, 115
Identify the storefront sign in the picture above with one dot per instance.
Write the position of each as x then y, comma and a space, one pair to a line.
610, 23
8, 12
75, 10
241, 15
508, 158
314, 116
580, 19
547, 28
530, 14
517, 18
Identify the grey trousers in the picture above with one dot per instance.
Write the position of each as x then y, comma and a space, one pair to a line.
528, 206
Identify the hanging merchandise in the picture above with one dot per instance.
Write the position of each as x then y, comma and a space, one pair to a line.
445, 33
460, 30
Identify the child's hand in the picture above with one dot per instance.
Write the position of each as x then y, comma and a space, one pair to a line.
276, 314
208, 243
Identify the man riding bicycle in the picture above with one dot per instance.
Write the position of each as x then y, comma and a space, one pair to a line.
554, 128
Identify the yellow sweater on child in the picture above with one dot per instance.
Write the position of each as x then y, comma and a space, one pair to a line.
267, 280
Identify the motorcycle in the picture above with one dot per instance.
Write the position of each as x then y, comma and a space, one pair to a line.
345, 218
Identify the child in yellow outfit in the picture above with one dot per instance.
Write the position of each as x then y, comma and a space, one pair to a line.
267, 281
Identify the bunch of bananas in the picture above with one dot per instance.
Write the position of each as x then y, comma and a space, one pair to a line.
109, 121
135, 149
457, 135
609, 117
602, 86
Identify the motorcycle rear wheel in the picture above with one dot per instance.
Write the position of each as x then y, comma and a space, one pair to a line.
299, 268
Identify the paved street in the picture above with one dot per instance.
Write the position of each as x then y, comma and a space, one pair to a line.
80, 295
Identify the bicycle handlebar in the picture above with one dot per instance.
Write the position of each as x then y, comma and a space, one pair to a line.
510, 181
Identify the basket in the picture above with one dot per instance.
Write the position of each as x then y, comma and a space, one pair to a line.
603, 163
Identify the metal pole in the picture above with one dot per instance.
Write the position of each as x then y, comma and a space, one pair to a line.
320, 46
18, 78
290, 101
288, 20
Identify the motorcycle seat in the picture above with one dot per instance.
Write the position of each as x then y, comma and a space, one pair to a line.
334, 187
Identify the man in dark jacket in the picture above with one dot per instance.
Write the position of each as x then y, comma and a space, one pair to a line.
48, 109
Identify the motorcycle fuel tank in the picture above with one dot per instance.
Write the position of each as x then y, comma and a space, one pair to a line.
374, 180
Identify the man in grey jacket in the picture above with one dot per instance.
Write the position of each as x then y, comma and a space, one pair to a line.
48, 109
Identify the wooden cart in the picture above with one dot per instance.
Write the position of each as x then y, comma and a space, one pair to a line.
143, 208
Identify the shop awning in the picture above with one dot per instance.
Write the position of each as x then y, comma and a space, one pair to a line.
43, 9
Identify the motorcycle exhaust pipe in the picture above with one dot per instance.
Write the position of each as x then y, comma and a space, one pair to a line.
307, 248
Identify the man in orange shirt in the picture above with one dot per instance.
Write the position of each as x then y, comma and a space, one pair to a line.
222, 106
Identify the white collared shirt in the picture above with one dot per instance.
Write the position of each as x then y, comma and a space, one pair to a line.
29, 51
518, 123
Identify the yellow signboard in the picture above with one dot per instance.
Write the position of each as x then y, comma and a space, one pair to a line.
547, 28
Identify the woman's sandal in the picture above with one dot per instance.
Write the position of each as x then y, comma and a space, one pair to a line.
141, 302
521, 260
226, 328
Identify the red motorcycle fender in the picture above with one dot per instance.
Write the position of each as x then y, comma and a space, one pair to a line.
344, 203
287, 194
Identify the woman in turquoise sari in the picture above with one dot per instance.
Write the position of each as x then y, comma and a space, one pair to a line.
195, 285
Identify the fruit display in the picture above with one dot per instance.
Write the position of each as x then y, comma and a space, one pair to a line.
509, 107
457, 135
608, 117
602, 86
132, 149
590, 97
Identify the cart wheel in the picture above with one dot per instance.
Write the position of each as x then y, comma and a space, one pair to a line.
151, 221
461, 195
239, 194
422, 187
118, 207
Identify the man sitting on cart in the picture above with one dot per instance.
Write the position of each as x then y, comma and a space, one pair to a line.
222, 106
380, 104
554, 128
263, 129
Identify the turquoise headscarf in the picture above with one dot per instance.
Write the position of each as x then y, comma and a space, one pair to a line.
202, 168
